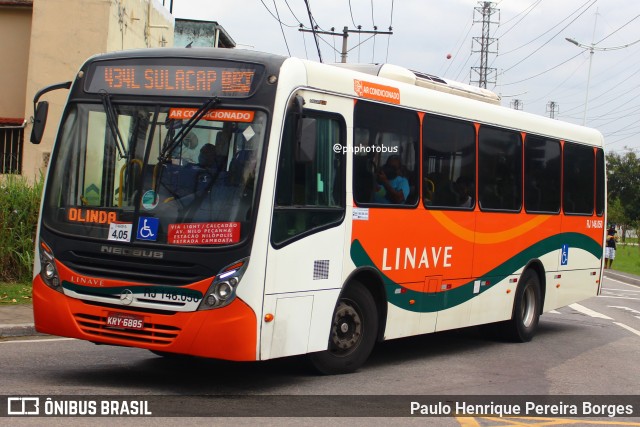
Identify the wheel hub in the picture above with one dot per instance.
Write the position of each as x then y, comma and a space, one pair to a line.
347, 328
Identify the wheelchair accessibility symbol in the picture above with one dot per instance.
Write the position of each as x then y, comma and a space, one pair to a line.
564, 257
148, 228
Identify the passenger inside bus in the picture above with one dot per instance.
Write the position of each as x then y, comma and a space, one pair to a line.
391, 186
465, 190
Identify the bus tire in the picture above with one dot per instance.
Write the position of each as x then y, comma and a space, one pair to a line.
526, 309
353, 333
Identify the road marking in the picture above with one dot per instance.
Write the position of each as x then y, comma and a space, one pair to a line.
628, 328
629, 309
622, 290
39, 340
615, 297
584, 310
620, 281
554, 312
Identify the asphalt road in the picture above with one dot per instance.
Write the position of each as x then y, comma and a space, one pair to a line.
590, 348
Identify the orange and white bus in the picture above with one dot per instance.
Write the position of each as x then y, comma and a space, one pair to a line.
245, 206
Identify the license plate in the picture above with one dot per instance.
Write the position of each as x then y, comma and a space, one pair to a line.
124, 321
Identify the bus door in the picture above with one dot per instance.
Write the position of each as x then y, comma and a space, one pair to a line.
306, 251
449, 197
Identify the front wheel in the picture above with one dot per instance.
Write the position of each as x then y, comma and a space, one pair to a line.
526, 309
352, 335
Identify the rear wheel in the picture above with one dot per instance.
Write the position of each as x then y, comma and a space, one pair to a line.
352, 335
526, 309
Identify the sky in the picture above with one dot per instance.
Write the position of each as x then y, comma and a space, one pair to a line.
534, 63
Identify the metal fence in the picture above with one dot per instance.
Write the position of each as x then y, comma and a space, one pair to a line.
11, 145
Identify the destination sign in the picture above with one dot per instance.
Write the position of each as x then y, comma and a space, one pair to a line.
237, 81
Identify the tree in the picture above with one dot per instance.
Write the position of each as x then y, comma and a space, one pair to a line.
623, 185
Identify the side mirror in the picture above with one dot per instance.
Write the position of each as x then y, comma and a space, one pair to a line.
306, 150
41, 109
39, 122
305, 132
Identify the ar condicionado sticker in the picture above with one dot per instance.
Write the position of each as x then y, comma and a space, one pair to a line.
370, 90
204, 233
242, 116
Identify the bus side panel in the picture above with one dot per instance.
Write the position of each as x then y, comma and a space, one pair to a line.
580, 264
302, 323
496, 303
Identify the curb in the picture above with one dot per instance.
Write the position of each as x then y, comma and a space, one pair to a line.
613, 274
18, 330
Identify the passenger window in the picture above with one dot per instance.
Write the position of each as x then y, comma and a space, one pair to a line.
385, 166
449, 163
600, 179
542, 171
500, 169
578, 164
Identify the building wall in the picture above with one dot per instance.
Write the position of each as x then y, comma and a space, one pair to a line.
15, 30
67, 32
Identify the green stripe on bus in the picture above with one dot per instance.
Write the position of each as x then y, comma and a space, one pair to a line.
431, 302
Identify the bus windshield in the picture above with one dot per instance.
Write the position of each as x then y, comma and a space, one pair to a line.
131, 173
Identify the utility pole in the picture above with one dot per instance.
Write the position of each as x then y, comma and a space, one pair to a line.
345, 35
485, 74
552, 109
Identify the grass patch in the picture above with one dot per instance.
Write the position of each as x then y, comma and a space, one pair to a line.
19, 205
627, 259
15, 293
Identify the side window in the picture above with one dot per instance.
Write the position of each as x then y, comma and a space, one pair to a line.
499, 169
310, 193
449, 163
578, 164
385, 156
600, 179
542, 174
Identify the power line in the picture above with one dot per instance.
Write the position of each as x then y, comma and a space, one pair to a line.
555, 26
351, 13
539, 74
547, 42
281, 27
527, 10
294, 15
313, 30
275, 17
633, 19
390, 29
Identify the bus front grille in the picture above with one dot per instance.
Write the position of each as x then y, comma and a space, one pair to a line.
159, 272
151, 333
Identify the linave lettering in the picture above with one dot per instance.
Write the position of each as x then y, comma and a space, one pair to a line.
416, 258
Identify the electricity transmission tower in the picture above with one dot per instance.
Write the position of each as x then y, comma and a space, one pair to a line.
552, 109
516, 104
487, 45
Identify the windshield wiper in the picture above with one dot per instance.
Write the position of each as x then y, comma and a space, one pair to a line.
112, 121
184, 130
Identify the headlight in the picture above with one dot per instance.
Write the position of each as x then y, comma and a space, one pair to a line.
223, 288
48, 270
